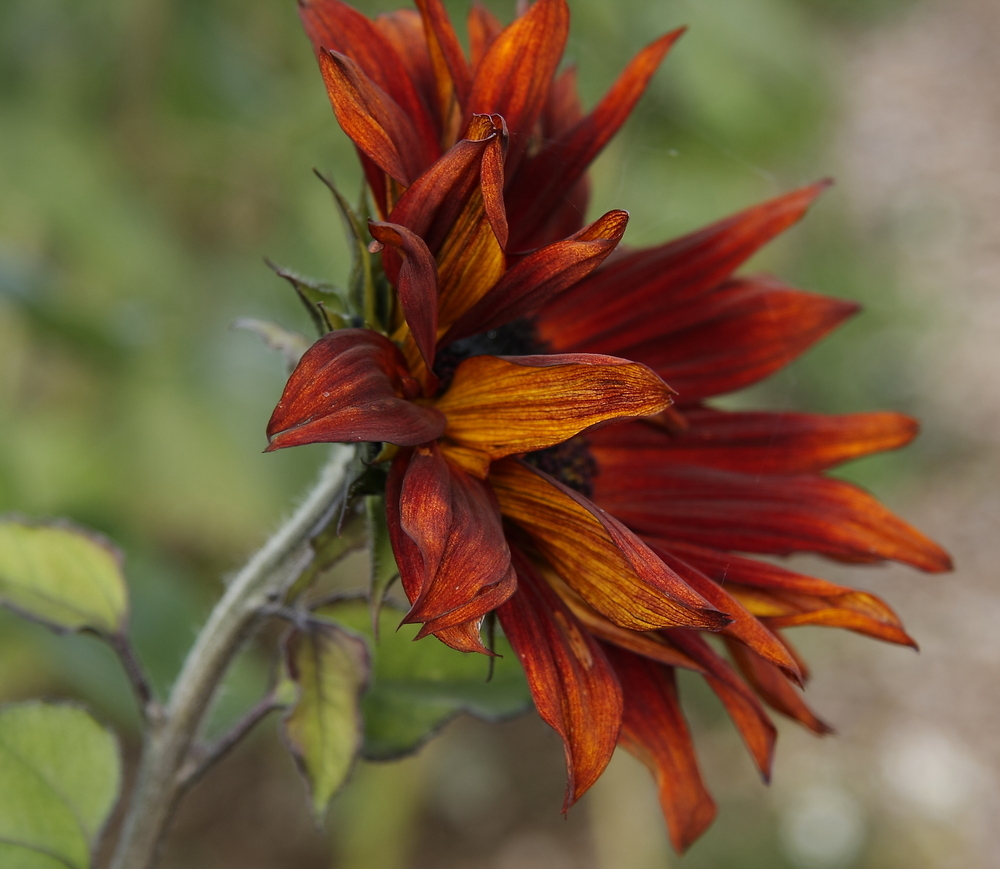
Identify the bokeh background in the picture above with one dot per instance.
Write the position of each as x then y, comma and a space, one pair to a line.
153, 151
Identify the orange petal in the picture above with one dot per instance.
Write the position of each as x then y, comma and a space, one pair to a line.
514, 76
334, 25
751, 720
776, 515
640, 284
542, 275
351, 385
500, 406
773, 687
654, 730
404, 30
755, 442
416, 283
450, 66
543, 179
445, 529
573, 686
596, 556
372, 119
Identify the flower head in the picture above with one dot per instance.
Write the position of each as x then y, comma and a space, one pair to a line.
540, 466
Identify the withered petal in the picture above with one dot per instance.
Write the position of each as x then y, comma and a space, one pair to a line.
352, 385
774, 688
754, 442
416, 283
501, 406
778, 515
514, 76
541, 275
639, 284
573, 686
596, 556
655, 731
445, 529
370, 117
751, 720
544, 179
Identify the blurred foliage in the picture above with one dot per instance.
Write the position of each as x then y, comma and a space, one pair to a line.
152, 152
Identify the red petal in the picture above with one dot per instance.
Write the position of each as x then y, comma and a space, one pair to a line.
654, 730
351, 385
514, 76
773, 687
416, 283
755, 443
641, 284
373, 120
777, 515
744, 708
544, 179
738, 334
574, 688
596, 556
336, 26
745, 627
541, 275
445, 529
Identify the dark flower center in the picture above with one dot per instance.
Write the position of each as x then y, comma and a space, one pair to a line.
569, 462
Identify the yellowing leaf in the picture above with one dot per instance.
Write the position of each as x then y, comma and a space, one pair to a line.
62, 576
60, 773
323, 728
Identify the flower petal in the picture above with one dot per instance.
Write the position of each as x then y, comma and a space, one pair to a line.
751, 720
574, 688
738, 334
336, 26
372, 119
654, 730
640, 284
753, 442
596, 556
514, 76
541, 275
450, 66
774, 689
777, 515
483, 27
545, 178
416, 283
745, 627
445, 529
351, 385
500, 406
404, 30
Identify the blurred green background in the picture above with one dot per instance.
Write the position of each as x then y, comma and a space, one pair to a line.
152, 152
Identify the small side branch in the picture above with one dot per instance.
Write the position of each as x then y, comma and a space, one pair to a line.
149, 706
204, 758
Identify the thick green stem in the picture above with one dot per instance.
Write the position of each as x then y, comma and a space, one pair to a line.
260, 584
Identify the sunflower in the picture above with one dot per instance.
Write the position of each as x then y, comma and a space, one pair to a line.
540, 467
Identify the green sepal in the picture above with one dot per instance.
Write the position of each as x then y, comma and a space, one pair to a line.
324, 302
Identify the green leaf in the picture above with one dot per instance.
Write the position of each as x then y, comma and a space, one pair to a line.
419, 686
323, 728
62, 576
60, 773
384, 570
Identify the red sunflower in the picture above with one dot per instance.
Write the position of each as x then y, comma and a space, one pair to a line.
539, 468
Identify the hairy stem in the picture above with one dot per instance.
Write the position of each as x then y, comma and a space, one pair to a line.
261, 583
